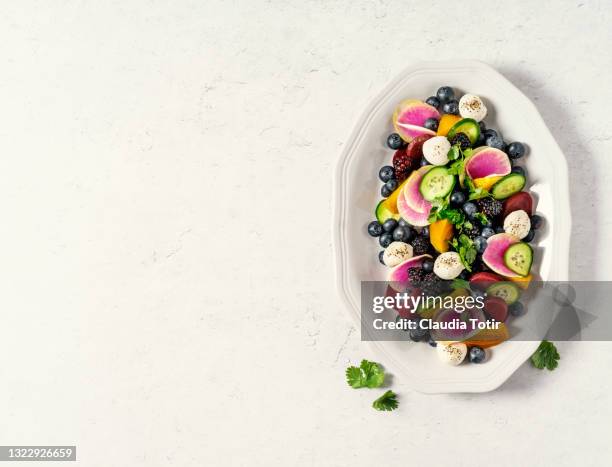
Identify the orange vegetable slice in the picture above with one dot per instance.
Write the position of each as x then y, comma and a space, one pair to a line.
440, 234
489, 337
486, 182
446, 123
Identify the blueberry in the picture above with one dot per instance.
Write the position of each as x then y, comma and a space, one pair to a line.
424, 162
477, 292
394, 141
425, 231
480, 243
499, 229
516, 309
480, 141
470, 208
445, 93
418, 334
431, 124
385, 239
458, 198
432, 341
380, 257
391, 184
518, 170
495, 142
482, 126
375, 229
403, 223
515, 150
451, 107
536, 222
465, 275
477, 355
529, 236
487, 232
428, 265
389, 225
385, 192
386, 173
401, 234
433, 101
490, 132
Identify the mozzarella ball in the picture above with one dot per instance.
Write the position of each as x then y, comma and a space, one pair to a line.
435, 150
448, 265
396, 253
471, 106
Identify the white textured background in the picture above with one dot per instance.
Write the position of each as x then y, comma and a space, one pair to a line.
167, 293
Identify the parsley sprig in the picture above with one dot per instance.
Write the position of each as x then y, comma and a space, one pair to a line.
386, 402
547, 356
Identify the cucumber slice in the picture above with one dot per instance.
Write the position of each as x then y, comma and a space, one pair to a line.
518, 258
507, 186
468, 126
507, 291
383, 212
437, 183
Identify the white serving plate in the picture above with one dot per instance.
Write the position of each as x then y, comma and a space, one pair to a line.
357, 190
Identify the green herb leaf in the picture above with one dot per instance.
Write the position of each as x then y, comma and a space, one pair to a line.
454, 153
455, 216
460, 284
437, 206
466, 249
367, 375
546, 356
386, 402
480, 217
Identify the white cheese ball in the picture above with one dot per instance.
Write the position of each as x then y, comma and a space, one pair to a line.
396, 253
471, 106
517, 223
448, 265
435, 150
452, 353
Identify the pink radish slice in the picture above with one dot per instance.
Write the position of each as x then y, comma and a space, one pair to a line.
411, 192
487, 162
493, 256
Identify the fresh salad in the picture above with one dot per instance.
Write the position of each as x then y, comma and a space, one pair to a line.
455, 219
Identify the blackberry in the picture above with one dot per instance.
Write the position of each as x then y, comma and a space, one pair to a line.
404, 164
432, 285
472, 232
490, 207
416, 275
462, 140
420, 245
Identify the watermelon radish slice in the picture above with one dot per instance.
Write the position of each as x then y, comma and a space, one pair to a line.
493, 256
409, 118
398, 276
412, 193
487, 162
418, 219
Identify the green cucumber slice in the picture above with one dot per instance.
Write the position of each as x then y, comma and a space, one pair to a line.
518, 258
437, 183
507, 186
507, 291
468, 126
383, 212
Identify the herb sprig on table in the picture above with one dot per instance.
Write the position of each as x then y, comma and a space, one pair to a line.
547, 356
371, 375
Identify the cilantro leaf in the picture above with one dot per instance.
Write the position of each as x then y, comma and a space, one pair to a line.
480, 217
386, 402
455, 216
546, 356
454, 153
466, 249
437, 206
460, 284
367, 375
